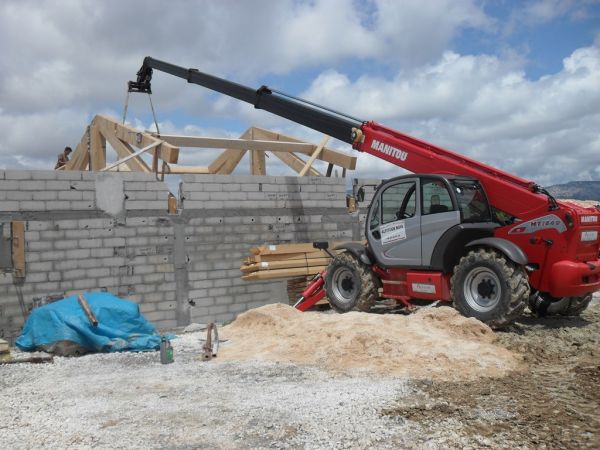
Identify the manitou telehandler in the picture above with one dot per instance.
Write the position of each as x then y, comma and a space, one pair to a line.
457, 230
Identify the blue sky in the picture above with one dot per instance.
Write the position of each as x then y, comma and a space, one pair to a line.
511, 83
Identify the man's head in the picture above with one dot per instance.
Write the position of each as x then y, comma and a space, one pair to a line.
435, 199
68, 150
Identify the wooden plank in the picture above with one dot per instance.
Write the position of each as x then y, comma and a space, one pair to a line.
227, 161
174, 169
167, 152
97, 149
122, 148
279, 249
258, 162
329, 155
238, 144
296, 163
283, 273
285, 264
18, 248
314, 156
292, 256
135, 154
80, 157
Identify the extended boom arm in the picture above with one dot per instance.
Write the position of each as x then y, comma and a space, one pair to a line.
509, 193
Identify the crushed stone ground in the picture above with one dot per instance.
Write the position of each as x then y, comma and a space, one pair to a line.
130, 401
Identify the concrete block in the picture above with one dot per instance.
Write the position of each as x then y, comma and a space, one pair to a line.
86, 283
70, 175
78, 253
31, 185
17, 175
70, 195
9, 185
146, 205
83, 185
49, 286
57, 185
58, 205
45, 195
220, 309
32, 205
19, 195
82, 205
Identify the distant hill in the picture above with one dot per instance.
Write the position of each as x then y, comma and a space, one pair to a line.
577, 190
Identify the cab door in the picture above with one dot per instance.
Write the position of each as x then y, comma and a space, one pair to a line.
394, 224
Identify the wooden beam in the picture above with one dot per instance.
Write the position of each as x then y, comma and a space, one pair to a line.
140, 139
97, 149
174, 169
239, 144
296, 163
135, 154
258, 162
18, 248
80, 157
314, 156
227, 161
329, 155
122, 148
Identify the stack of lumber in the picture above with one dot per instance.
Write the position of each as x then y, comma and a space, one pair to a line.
270, 262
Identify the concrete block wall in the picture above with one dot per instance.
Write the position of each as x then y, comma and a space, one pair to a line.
93, 231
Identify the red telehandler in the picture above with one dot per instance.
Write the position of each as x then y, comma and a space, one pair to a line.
456, 230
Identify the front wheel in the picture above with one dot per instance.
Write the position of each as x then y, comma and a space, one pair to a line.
350, 285
487, 286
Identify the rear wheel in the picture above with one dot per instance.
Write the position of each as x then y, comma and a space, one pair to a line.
350, 285
487, 286
543, 304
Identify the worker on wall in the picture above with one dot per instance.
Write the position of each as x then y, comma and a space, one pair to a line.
63, 158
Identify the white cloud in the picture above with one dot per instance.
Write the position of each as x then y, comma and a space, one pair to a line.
63, 62
486, 109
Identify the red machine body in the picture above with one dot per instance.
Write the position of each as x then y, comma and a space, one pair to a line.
560, 241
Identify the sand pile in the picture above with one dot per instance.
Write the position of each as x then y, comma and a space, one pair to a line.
434, 343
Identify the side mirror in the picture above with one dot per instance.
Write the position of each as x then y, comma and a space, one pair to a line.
360, 194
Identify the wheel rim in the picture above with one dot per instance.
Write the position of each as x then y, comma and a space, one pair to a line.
482, 289
345, 285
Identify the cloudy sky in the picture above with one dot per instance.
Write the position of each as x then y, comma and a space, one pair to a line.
515, 84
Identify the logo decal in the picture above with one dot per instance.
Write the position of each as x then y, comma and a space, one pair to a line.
389, 150
549, 222
426, 288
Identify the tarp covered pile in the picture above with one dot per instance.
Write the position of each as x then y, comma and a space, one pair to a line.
63, 327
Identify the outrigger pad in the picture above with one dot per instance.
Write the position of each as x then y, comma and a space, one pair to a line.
321, 245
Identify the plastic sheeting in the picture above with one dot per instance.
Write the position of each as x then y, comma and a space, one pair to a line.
120, 327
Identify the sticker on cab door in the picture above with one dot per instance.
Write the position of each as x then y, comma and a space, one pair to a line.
391, 232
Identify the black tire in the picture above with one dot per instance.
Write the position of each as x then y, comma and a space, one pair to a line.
543, 304
489, 287
350, 285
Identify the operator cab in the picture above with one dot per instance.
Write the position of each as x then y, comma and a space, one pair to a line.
410, 214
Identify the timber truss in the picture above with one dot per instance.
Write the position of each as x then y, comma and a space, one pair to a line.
130, 144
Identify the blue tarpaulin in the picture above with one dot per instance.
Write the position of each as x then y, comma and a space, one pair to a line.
120, 327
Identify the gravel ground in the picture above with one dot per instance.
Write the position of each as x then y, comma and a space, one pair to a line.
131, 401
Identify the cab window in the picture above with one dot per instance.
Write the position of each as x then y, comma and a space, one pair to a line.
436, 198
399, 202
472, 201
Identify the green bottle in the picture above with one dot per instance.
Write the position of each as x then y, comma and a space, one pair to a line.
166, 351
